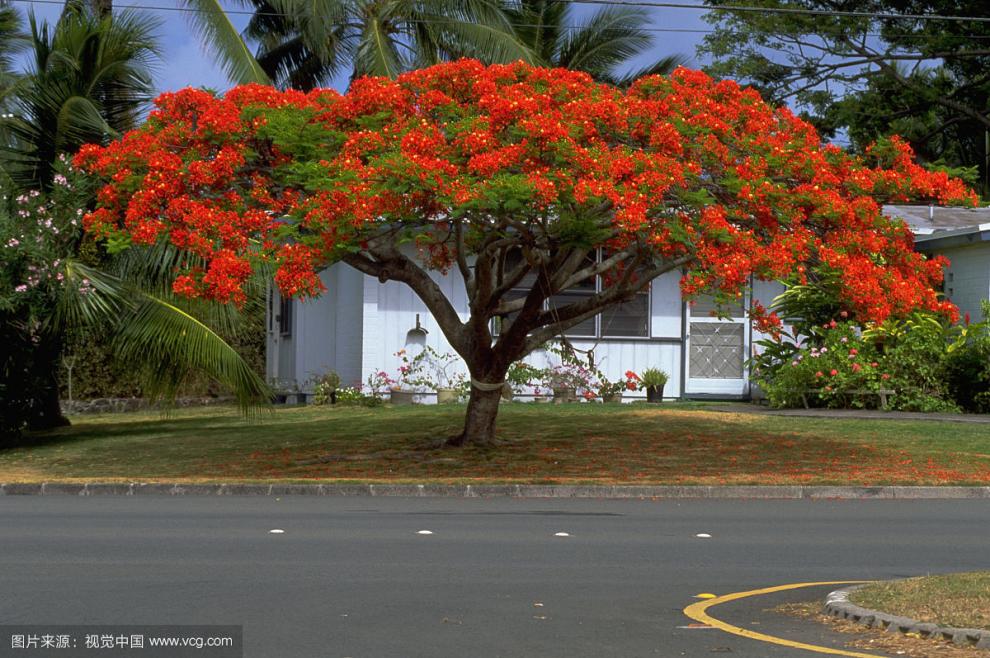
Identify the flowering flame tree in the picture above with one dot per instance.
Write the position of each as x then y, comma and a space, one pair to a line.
509, 173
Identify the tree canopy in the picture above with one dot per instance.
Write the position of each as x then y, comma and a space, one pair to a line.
869, 76
513, 173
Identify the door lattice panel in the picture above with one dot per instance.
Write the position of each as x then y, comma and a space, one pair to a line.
716, 350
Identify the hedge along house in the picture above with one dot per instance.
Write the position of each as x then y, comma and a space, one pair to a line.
359, 325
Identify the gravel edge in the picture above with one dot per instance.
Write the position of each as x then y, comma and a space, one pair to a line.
837, 605
497, 490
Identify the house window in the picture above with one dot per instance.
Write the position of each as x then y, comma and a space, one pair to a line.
628, 320
284, 316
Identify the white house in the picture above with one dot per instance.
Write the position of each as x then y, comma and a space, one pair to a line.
963, 236
357, 327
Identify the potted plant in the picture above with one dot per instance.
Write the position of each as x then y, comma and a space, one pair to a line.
439, 372
402, 388
325, 387
565, 379
611, 392
283, 389
379, 381
522, 376
653, 380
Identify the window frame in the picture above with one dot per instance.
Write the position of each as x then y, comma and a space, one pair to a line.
284, 317
598, 334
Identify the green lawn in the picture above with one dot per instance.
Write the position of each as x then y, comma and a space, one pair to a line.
636, 444
961, 600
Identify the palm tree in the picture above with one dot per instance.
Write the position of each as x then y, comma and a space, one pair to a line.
91, 80
307, 43
601, 45
12, 41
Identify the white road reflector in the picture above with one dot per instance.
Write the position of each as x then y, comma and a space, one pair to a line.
703, 535
424, 532
561, 534
697, 627
276, 531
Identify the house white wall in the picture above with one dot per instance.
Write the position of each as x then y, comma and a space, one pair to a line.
359, 324
357, 327
967, 278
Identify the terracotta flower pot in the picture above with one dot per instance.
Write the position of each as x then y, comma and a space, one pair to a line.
654, 394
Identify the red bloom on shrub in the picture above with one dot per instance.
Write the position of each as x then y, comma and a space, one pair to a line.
833, 372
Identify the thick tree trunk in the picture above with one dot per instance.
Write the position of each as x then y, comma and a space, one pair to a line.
479, 424
46, 412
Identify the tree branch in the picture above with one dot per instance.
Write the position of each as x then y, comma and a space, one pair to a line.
389, 264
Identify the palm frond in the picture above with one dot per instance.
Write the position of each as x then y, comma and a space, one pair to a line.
377, 51
481, 29
12, 42
611, 36
92, 297
663, 66
229, 50
539, 25
170, 342
317, 22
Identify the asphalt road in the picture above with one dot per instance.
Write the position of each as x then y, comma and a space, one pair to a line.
352, 576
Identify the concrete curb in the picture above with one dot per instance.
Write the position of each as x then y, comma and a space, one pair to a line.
497, 490
837, 604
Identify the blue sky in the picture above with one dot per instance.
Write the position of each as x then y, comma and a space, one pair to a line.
186, 62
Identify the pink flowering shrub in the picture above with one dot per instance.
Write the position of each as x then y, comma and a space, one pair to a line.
839, 361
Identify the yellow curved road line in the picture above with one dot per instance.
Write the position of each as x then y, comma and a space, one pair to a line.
699, 612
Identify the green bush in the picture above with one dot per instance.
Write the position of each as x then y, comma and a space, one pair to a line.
968, 367
832, 367
968, 376
917, 362
325, 387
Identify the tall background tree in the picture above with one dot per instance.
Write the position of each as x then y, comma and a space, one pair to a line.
89, 80
866, 77
508, 174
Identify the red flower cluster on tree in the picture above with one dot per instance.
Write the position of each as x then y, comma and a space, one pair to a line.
681, 167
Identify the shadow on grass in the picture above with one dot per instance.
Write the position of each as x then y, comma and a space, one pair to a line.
539, 443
